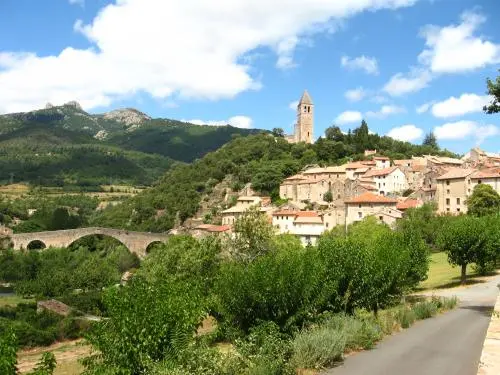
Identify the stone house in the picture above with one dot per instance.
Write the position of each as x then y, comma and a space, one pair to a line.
388, 180
334, 215
369, 204
232, 214
307, 225
487, 176
382, 162
452, 190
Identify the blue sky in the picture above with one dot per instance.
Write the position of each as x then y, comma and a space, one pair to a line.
406, 66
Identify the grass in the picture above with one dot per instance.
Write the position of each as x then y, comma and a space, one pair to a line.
13, 300
443, 275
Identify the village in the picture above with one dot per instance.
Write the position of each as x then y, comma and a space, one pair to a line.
319, 199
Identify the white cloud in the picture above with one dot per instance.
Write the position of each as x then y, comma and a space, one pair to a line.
236, 121
465, 129
202, 55
456, 48
379, 99
293, 105
401, 84
424, 107
466, 103
356, 94
385, 111
368, 64
406, 133
348, 117
77, 2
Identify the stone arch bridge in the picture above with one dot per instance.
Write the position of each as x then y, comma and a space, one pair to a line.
136, 242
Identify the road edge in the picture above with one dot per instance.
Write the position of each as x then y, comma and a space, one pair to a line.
489, 364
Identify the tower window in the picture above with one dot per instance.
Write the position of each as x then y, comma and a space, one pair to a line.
305, 109
308, 109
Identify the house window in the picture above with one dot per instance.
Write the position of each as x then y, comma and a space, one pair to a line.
478, 181
448, 209
447, 191
448, 201
359, 206
360, 215
447, 182
327, 225
458, 209
458, 200
381, 218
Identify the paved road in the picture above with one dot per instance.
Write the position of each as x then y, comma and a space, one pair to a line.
449, 344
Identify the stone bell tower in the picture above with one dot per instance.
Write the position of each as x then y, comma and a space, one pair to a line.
305, 119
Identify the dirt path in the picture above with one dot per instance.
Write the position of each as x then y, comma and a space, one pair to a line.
67, 355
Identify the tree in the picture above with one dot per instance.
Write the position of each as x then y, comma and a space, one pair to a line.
328, 196
8, 358
334, 133
494, 91
483, 201
430, 140
253, 236
465, 240
278, 132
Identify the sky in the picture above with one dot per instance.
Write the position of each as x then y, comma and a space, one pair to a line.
407, 67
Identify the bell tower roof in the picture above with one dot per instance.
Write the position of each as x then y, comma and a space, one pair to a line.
306, 99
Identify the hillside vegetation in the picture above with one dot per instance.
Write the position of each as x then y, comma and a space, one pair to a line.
263, 160
65, 146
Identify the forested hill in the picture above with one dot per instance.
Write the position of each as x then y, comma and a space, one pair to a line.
263, 160
66, 146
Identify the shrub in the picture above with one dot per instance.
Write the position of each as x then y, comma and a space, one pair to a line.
424, 310
318, 347
405, 316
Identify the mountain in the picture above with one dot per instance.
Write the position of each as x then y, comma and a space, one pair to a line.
64, 145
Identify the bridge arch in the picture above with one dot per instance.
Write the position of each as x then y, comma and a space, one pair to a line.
152, 245
92, 238
36, 245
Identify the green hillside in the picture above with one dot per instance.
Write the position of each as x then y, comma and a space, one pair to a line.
66, 146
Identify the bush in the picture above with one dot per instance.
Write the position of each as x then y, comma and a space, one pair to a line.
326, 343
424, 310
318, 348
405, 316
8, 352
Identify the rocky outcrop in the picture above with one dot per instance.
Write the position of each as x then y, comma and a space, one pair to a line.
128, 116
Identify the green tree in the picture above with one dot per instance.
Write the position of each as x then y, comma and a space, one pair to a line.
328, 196
494, 91
147, 323
431, 141
334, 133
278, 132
483, 201
465, 239
8, 353
46, 366
253, 235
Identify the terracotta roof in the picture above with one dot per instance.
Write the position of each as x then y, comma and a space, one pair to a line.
306, 213
418, 168
403, 161
295, 177
486, 174
355, 165
380, 172
408, 203
362, 170
285, 213
308, 217
336, 169
371, 198
380, 158
368, 187
213, 228
455, 173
